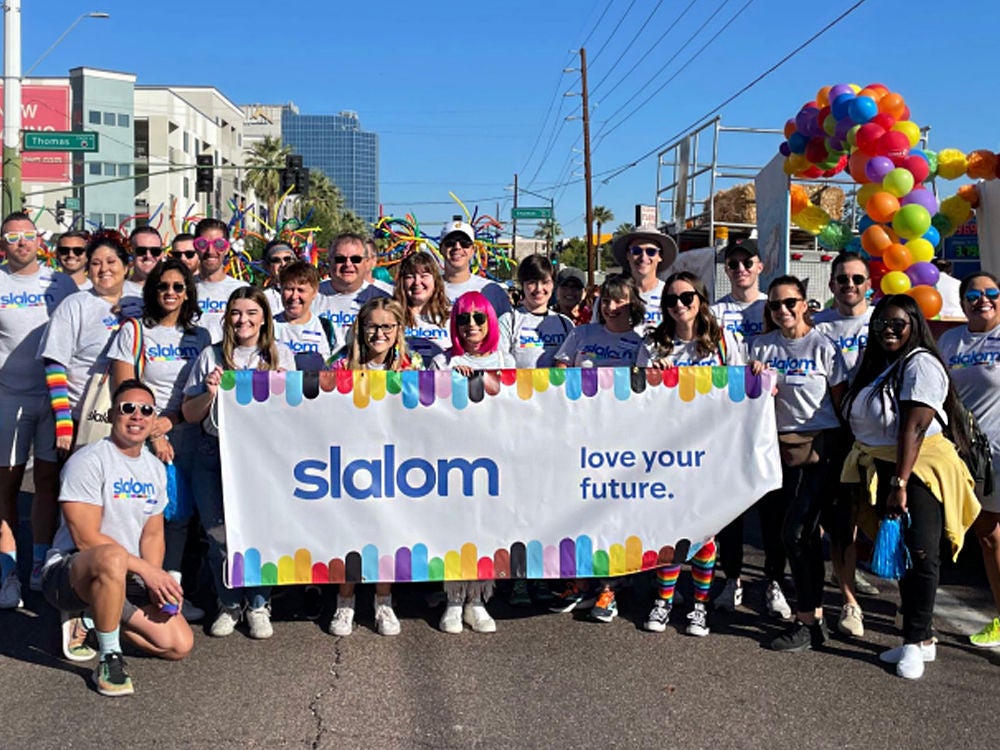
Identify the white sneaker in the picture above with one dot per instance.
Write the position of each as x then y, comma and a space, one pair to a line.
259, 622
451, 620
698, 621
342, 623
777, 605
731, 596
191, 612
658, 617
10, 592
477, 618
386, 622
911, 663
928, 652
225, 621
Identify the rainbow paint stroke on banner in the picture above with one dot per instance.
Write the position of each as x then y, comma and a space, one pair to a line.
418, 476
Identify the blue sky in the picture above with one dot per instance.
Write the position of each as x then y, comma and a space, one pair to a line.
459, 92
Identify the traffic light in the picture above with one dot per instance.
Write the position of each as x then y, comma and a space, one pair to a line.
294, 177
302, 183
60, 212
204, 180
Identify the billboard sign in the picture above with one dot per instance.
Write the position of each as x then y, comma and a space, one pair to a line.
44, 108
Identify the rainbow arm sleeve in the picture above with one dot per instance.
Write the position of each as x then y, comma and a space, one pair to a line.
55, 379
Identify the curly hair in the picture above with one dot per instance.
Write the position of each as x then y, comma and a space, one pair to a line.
708, 332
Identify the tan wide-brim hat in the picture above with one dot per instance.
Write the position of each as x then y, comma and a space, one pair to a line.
668, 248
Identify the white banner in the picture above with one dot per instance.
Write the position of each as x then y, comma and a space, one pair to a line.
417, 476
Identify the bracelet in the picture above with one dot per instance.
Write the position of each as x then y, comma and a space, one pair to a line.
897, 482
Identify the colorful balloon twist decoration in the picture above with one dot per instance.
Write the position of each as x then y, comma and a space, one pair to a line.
868, 132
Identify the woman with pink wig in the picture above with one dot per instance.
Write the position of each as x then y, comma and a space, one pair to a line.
475, 337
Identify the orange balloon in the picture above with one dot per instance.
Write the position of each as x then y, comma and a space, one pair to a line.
876, 93
928, 299
823, 96
893, 105
790, 128
800, 198
875, 239
896, 257
882, 207
856, 166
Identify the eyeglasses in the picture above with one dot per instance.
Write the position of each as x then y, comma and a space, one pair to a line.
651, 252
385, 328
219, 244
789, 302
685, 298
129, 407
176, 287
464, 319
342, 260
896, 325
65, 250
12, 237
734, 265
154, 251
463, 241
189, 254
974, 295
857, 279
282, 260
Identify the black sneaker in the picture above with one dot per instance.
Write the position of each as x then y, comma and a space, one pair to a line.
111, 676
801, 637
312, 602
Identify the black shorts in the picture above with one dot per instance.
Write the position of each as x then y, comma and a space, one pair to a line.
59, 592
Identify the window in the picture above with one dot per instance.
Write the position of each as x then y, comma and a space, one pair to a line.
123, 121
94, 117
94, 167
95, 219
187, 186
110, 220
109, 118
123, 221
124, 170
109, 169
187, 143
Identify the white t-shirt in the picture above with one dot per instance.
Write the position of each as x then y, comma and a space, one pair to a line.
848, 332
875, 421
489, 289
807, 368
533, 339
129, 491
951, 304
273, 295
212, 299
384, 286
685, 353
26, 302
973, 361
654, 310
308, 342
745, 319
169, 353
78, 337
498, 360
341, 309
132, 294
428, 339
593, 345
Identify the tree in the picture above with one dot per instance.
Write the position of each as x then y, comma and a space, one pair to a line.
624, 228
548, 230
326, 204
263, 160
602, 216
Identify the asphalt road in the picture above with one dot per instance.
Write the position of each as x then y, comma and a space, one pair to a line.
542, 680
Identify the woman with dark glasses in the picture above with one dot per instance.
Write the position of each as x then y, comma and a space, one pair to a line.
898, 405
171, 343
811, 379
972, 355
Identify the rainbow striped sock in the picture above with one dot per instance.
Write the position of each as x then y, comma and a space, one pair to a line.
666, 582
702, 571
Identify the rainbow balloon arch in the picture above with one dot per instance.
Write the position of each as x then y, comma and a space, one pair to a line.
868, 132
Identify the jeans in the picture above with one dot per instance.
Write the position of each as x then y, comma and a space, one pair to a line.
207, 484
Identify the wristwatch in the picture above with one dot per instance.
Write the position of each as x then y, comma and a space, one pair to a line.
897, 482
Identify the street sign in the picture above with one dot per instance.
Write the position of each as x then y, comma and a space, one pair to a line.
71, 204
543, 212
48, 140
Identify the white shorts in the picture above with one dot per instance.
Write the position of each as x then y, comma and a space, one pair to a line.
26, 422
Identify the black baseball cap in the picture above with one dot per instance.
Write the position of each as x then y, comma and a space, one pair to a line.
748, 246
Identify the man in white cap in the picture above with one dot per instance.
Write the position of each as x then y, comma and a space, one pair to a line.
645, 254
457, 248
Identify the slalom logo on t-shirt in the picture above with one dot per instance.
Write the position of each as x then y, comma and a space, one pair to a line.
592, 352
18, 300
302, 346
212, 305
792, 365
740, 326
339, 317
426, 333
130, 488
111, 322
973, 359
853, 343
170, 352
535, 340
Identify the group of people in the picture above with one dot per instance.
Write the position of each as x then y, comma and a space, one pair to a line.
862, 393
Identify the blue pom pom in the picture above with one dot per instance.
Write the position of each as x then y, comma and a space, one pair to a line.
890, 558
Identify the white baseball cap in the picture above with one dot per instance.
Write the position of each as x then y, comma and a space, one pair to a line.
457, 225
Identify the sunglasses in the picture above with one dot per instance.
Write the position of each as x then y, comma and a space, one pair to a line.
12, 237
464, 319
651, 252
685, 298
734, 265
154, 251
129, 407
189, 254
463, 241
220, 244
342, 260
65, 250
974, 295
385, 328
896, 325
857, 279
789, 303
176, 287
282, 260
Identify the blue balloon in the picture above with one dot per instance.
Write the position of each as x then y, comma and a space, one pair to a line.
854, 246
840, 105
798, 142
865, 222
862, 109
933, 236
921, 154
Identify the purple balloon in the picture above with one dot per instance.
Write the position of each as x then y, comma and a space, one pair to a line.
784, 149
805, 120
921, 197
840, 88
923, 273
842, 127
878, 167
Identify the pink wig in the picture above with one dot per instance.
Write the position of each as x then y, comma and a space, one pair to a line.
471, 302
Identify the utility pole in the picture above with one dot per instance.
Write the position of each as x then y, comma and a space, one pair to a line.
11, 106
513, 223
586, 167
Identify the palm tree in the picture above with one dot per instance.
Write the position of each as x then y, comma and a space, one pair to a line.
625, 228
263, 161
547, 230
602, 216
326, 204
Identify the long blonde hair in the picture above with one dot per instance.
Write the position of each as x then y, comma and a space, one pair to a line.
399, 356
266, 344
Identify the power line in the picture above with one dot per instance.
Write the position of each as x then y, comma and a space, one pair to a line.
552, 101
613, 32
614, 172
597, 24
625, 48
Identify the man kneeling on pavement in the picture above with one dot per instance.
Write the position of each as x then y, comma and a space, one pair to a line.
107, 557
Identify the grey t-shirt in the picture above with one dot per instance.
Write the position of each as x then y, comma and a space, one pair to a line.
593, 345
212, 299
489, 289
848, 332
745, 319
973, 361
308, 342
533, 339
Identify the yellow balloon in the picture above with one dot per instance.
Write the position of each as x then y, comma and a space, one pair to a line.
895, 282
854, 87
866, 191
921, 250
910, 129
812, 219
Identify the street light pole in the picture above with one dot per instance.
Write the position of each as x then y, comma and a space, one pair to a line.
11, 106
93, 14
